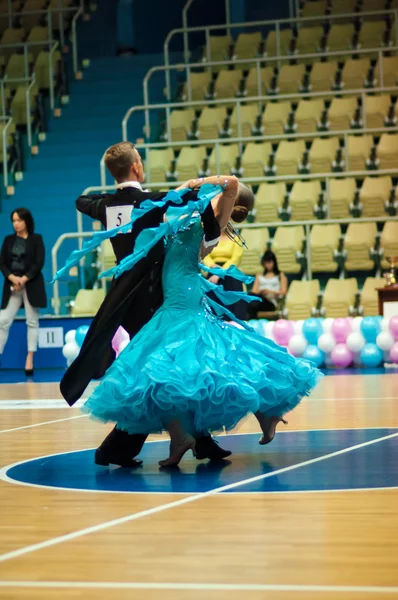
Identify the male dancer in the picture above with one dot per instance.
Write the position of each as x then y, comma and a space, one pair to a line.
132, 299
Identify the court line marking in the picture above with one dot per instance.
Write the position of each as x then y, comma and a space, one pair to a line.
7, 479
42, 423
247, 587
186, 500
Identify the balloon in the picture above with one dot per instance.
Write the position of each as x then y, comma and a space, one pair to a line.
385, 324
384, 340
70, 350
69, 361
356, 324
327, 325
370, 328
70, 336
387, 356
312, 329
394, 353
120, 336
326, 342
298, 326
268, 330
371, 355
314, 355
355, 341
257, 325
341, 356
357, 359
341, 329
283, 331
81, 334
297, 344
328, 360
393, 326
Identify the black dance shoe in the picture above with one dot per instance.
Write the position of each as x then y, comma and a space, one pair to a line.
104, 459
120, 448
207, 447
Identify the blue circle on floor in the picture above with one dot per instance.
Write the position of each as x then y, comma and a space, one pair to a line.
289, 464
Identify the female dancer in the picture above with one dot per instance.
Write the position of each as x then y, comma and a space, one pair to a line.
187, 370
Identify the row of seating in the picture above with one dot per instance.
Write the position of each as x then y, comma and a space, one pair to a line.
340, 298
316, 8
323, 155
276, 118
21, 18
332, 76
360, 249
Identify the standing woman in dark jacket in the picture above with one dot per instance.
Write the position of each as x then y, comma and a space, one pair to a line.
21, 262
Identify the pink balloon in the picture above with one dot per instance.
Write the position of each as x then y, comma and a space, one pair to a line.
394, 353
282, 332
341, 329
393, 326
341, 356
120, 336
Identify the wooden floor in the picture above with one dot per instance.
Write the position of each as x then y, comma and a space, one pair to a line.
295, 545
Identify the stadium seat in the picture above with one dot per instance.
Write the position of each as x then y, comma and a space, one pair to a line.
324, 241
189, 162
339, 38
290, 77
108, 255
374, 194
247, 45
339, 297
271, 42
389, 242
313, 9
341, 112
55, 17
341, 7
254, 158
42, 68
227, 158
308, 114
359, 240
88, 302
342, 192
375, 110
275, 117
13, 35
387, 151
180, 124
38, 34
303, 198
358, 149
269, 200
199, 86
288, 157
9, 138
287, 244
159, 163
210, 122
301, 298
219, 46
308, 40
369, 296
19, 104
266, 74
322, 154
354, 73
28, 21
15, 68
371, 35
227, 84
256, 241
390, 71
248, 114
323, 75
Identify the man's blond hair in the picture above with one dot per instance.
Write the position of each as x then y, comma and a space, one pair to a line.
119, 158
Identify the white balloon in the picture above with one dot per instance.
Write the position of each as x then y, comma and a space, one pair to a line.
327, 325
355, 341
70, 350
298, 326
356, 324
297, 344
70, 336
326, 342
69, 361
357, 359
387, 357
385, 324
328, 360
268, 329
385, 340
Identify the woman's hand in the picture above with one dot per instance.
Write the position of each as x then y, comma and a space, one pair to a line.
16, 282
214, 279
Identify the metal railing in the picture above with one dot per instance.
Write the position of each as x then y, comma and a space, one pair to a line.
257, 61
49, 12
274, 225
277, 24
4, 133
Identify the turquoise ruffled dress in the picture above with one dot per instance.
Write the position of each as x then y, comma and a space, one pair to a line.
189, 363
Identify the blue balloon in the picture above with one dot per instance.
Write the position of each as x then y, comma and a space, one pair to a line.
370, 328
81, 334
312, 329
314, 355
257, 325
371, 355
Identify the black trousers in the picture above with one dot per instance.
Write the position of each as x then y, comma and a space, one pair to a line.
262, 304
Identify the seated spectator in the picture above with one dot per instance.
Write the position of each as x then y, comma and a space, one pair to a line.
269, 287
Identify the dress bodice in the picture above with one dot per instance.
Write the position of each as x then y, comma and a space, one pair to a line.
181, 278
